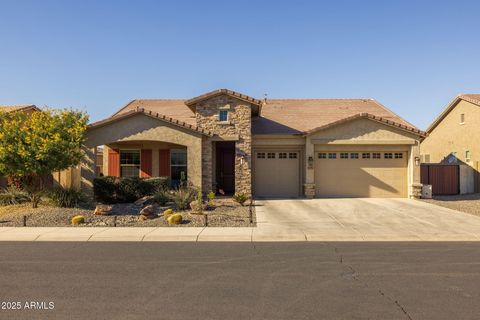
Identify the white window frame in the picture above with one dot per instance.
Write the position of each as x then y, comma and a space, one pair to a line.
220, 117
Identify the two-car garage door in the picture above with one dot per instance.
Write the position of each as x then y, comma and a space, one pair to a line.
375, 174
277, 173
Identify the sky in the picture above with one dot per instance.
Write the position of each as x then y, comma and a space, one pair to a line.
412, 56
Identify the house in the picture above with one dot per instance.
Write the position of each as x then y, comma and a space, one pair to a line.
452, 140
225, 140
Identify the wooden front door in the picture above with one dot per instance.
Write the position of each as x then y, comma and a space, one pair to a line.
225, 166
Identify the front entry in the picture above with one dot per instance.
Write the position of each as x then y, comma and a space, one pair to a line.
225, 167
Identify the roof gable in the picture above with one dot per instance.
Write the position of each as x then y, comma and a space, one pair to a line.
16, 108
472, 98
254, 103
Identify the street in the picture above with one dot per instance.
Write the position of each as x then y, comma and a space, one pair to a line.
323, 280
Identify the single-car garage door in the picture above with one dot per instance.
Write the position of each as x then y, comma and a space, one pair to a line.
277, 174
361, 174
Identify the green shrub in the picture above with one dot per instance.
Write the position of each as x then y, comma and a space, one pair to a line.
182, 197
104, 189
78, 220
211, 198
175, 219
241, 198
118, 190
162, 196
65, 197
12, 195
158, 183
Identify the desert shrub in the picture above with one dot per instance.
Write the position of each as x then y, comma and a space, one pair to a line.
104, 189
118, 190
211, 198
182, 197
158, 183
12, 195
175, 219
241, 198
65, 197
162, 196
78, 220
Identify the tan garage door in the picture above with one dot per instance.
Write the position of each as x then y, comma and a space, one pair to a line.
361, 174
277, 174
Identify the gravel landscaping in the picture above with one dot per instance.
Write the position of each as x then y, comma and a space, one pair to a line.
225, 214
469, 203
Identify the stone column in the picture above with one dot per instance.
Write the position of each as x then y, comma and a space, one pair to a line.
309, 158
415, 187
87, 172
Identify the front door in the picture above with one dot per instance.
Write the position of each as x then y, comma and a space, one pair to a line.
225, 167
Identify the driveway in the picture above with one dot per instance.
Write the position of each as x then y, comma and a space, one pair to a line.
362, 219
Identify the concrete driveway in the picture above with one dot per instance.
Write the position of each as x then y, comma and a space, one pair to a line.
362, 219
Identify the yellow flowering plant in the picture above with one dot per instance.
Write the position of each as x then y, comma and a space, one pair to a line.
36, 144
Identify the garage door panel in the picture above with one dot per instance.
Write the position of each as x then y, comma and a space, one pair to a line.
276, 177
380, 177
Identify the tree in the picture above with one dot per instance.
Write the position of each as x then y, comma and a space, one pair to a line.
37, 144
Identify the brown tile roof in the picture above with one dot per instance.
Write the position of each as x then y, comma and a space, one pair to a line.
372, 117
152, 114
280, 116
18, 107
174, 108
296, 116
472, 98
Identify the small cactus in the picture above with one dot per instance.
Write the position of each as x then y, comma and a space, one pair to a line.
167, 212
78, 220
175, 219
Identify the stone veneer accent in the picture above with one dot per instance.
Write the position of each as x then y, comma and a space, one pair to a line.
240, 125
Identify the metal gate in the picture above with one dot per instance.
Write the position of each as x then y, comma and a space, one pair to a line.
443, 178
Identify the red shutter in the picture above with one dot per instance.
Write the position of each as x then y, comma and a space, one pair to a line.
114, 162
164, 162
146, 163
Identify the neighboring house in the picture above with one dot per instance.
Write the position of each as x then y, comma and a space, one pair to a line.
269, 148
452, 138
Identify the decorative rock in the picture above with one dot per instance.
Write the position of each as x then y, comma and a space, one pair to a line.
175, 219
148, 217
143, 201
103, 210
148, 211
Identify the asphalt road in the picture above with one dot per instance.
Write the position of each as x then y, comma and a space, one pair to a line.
241, 280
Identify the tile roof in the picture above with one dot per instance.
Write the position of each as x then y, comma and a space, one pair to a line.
281, 116
217, 92
470, 97
296, 116
18, 107
152, 114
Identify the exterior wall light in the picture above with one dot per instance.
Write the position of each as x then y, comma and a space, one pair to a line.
417, 161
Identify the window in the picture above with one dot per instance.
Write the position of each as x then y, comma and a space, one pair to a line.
271, 155
343, 155
332, 155
353, 155
388, 155
223, 116
322, 155
292, 155
282, 155
261, 155
467, 155
129, 163
462, 118
178, 165
376, 155
398, 155
365, 155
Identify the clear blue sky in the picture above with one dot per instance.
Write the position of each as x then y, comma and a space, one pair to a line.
413, 56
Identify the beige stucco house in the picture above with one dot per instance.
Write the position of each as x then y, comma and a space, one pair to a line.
452, 138
225, 140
